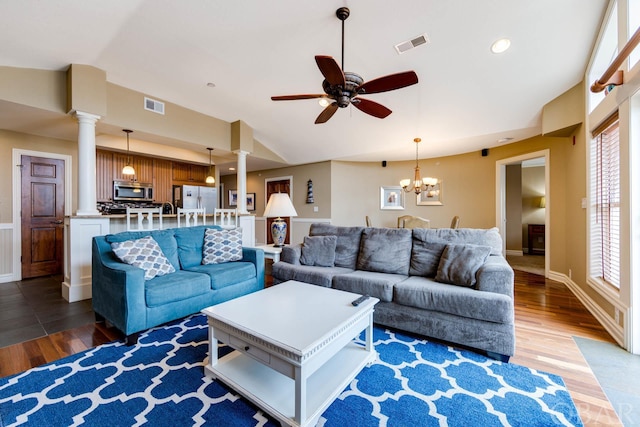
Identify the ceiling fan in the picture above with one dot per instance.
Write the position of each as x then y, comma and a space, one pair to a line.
344, 88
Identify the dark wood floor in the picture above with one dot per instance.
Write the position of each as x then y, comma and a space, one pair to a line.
547, 316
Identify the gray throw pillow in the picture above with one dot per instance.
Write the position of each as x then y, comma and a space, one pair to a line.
385, 250
425, 254
319, 251
460, 263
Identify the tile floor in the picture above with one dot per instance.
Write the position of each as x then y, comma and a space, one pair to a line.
34, 308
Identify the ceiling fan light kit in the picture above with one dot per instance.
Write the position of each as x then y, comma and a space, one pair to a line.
344, 88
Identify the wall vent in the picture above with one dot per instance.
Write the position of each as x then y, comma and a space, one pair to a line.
153, 105
411, 44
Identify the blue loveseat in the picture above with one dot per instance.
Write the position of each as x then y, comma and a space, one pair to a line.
123, 297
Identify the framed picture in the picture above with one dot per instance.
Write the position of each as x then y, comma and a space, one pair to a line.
251, 201
391, 198
233, 197
431, 197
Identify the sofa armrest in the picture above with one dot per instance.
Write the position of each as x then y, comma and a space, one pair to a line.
256, 256
117, 289
496, 275
291, 254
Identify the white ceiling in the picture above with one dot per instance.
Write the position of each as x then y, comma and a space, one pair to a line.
467, 98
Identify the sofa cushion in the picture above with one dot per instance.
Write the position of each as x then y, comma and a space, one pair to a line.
178, 286
460, 263
144, 253
165, 239
319, 251
475, 236
222, 246
379, 285
347, 244
424, 293
226, 274
321, 276
425, 255
190, 241
385, 250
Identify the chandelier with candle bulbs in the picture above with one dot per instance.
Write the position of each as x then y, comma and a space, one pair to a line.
418, 185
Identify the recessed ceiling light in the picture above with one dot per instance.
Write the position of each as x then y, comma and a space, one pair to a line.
232, 169
500, 45
211, 84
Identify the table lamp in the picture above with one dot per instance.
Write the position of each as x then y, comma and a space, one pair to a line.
279, 205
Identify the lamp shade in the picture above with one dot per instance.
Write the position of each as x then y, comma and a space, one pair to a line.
279, 205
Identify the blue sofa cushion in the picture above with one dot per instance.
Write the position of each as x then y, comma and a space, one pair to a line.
165, 239
190, 241
226, 274
222, 246
165, 289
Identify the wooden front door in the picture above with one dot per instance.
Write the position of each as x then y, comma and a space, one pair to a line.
282, 186
42, 216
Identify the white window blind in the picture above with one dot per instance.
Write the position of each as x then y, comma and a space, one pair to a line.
605, 199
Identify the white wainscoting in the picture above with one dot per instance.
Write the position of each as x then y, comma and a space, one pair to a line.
299, 228
6, 249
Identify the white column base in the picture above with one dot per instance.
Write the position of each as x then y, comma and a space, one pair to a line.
78, 234
248, 225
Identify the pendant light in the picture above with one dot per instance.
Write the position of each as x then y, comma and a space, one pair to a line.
210, 178
128, 169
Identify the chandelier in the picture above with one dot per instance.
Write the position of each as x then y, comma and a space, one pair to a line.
419, 184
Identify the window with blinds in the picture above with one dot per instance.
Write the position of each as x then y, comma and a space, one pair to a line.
605, 202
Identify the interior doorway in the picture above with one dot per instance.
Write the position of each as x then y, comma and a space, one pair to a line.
42, 200
522, 210
278, 185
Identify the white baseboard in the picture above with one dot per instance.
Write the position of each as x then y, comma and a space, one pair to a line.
513, 252
615, 330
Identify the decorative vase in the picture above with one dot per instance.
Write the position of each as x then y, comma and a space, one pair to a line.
278, 232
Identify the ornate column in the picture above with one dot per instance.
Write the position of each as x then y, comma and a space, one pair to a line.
87, 163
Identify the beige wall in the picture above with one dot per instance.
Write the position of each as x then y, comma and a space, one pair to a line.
12, 140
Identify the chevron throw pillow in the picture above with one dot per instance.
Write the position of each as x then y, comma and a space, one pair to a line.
222, 246
144, 253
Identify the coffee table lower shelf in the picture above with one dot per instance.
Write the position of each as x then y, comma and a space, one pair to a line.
275, 392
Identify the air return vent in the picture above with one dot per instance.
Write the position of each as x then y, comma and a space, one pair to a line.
153, 105
413, 43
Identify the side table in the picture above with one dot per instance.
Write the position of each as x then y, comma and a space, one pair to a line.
270, 252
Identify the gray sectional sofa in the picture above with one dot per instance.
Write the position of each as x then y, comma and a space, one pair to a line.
450, 284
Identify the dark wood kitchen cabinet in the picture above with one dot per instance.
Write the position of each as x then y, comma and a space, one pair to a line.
185, 173
104, 175
162, 180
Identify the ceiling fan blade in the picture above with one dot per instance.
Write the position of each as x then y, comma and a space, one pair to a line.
330, 70
295, 97
327, 113
372, 108
387, 83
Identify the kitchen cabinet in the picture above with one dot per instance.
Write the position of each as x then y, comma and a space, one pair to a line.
186, 173
162, 180
104, 175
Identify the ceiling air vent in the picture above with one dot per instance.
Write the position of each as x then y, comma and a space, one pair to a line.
153, 105
413, 43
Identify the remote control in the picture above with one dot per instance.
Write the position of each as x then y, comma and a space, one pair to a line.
360, 300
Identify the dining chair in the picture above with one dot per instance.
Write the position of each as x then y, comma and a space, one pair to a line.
416, 222
225, 218
190, 217
455, 222
139, 219
401, 220
367, 220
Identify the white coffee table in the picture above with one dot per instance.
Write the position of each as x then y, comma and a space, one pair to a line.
295, 347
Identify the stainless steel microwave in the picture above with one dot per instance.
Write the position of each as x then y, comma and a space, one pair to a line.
132, 191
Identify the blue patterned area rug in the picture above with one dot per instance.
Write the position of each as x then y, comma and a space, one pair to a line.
161, 382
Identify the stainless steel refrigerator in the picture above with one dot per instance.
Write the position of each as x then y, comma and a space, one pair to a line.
195, 197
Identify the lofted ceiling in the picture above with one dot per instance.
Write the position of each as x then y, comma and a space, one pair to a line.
467, 98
